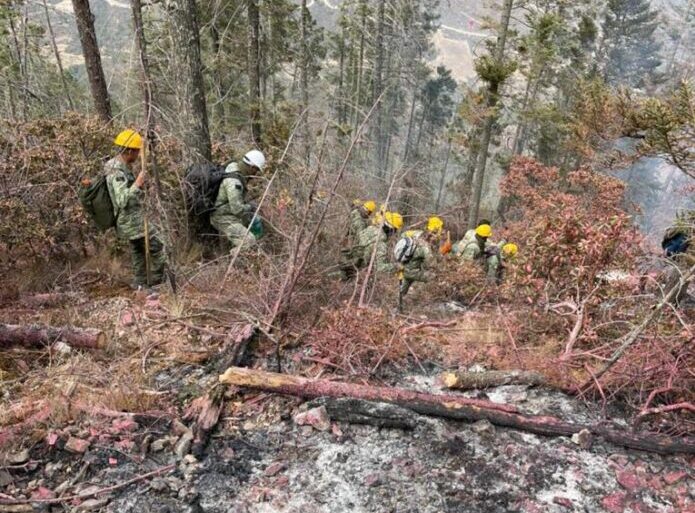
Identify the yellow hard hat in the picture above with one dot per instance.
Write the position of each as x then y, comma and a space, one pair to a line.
484, 230
510, 249
369, 206
394, 220
129, 139
435, 225
410, 233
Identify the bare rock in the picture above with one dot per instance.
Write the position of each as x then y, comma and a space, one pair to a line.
183, 446
316, 418
583, 439
76, 445
274, 469
483, 428
93, 504
18, 458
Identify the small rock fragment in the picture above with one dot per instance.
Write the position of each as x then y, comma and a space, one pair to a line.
372, 480
274, 469
159, 444
62, 348
674, 477
42, 493
564, 502
483, 427
189, 459
316, 418
18, 458
583, 439
183, 446
615, 502
628, 480
179, 428
76, 445
159, 485
127, 318
93, 504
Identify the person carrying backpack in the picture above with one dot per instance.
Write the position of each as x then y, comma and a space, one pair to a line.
373, 239
127, 197
414, 254
679, 247
232, 215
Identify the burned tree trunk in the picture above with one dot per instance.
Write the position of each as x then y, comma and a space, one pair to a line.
205, 411
254, 19
193, 112
449, 406
463, 380
40, 336
92, 58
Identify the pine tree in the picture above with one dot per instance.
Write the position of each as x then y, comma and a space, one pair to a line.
632, 50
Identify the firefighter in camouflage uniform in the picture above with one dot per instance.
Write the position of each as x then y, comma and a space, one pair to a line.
416, 265
127, 197
232, 214
373, 239
679, 245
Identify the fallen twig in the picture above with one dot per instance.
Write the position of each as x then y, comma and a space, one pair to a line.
83, 496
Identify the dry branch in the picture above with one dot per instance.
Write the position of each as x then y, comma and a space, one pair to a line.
632, 337
33, 336
465, 380
448, 406
49, 299
95, 493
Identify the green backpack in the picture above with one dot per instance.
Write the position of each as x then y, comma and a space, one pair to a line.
96, 201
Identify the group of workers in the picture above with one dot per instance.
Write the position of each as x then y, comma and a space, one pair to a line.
369, 229
368, 236
414, 252
146, 247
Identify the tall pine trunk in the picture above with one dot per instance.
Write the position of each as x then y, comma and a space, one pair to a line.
254, 52
377, 88
146, 78
193, 112
92, 58
492, 99
305, 83
56, 53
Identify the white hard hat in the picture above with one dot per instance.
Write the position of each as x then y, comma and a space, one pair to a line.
254, 158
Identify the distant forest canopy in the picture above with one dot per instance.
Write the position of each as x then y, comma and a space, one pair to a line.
446, 93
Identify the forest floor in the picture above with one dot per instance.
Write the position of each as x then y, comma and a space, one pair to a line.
71, 448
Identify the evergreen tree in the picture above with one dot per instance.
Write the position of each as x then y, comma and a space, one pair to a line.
631, 48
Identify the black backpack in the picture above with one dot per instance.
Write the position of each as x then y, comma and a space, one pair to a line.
201, 186
96, 201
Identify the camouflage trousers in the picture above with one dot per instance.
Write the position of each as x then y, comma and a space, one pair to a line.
235, 232
157, 260
350, 261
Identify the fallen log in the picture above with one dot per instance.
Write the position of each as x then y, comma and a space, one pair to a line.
449, 406
356, 411
33, 336
465, 380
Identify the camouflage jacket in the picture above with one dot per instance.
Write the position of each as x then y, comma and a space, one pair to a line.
416, 268
357, 223
126, 199
472, 250
231, 200
366, 240
461, 245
